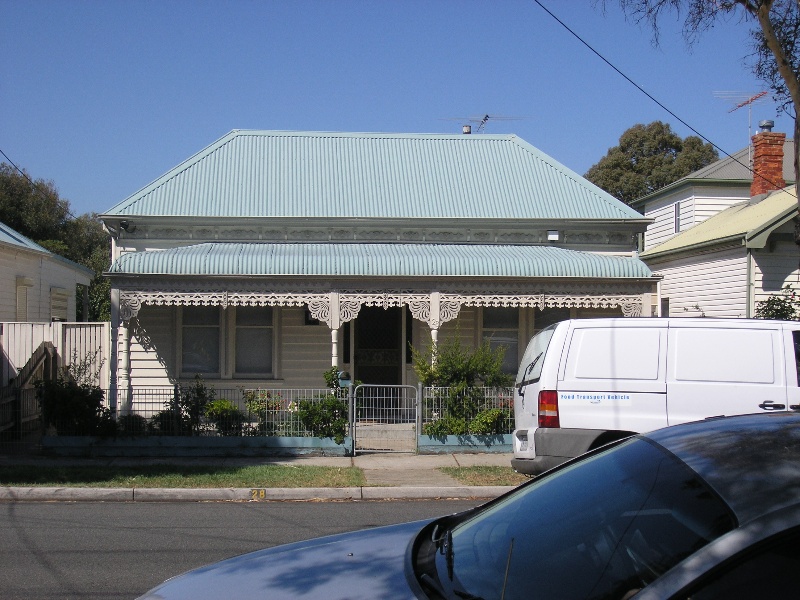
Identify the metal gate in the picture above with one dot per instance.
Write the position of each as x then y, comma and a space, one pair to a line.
385, 418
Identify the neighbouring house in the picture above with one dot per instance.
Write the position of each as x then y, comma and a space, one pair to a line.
268, 257
40, 286
722, 238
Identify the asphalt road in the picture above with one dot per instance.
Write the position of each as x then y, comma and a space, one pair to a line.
116, 550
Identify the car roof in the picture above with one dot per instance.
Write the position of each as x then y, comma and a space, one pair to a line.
751, 461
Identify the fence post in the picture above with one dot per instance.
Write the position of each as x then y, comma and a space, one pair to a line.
419, 411
351, 416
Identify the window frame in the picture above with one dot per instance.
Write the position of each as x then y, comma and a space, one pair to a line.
226, 327
517, 329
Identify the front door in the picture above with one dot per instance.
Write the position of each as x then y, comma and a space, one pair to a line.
378, 351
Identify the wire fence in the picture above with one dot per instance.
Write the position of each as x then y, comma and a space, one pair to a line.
204, 410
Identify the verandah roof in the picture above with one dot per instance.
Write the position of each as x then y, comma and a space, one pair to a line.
377, 260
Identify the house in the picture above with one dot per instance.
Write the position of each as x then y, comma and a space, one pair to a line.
722, 238
269, 256
40, 286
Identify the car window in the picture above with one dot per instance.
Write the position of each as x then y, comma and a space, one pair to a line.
599, 528
770, 571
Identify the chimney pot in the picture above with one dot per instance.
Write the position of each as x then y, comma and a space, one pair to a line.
766, 125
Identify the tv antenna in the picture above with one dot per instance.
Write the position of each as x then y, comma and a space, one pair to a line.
740, 100
481, 121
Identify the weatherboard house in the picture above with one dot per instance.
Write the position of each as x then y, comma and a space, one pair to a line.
268, 257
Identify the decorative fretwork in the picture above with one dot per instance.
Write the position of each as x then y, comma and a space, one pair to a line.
600, 296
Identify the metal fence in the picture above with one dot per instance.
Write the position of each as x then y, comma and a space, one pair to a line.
477, 410
379, 418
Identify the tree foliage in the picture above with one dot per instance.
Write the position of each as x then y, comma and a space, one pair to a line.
647, 158
35, 209
774, 26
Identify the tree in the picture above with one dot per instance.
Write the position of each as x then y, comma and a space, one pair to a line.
647, 158
775, 33
35, 209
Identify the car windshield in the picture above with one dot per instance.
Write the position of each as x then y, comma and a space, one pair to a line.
599, 528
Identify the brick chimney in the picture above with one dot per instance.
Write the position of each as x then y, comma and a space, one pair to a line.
767, 160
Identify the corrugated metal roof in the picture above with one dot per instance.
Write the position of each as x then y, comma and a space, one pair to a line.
13, 237
376, 260
372, 175
743, 220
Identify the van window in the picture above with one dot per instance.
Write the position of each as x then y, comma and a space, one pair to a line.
796, 340
530, 368
724, 355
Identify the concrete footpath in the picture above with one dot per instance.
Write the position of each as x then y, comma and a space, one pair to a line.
388, 476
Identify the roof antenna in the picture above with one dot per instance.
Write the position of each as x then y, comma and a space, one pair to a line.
466, 128
743, 99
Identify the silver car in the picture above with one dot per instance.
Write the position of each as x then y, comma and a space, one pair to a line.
703, 510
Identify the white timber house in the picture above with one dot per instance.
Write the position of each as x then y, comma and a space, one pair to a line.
268, 257
723, 238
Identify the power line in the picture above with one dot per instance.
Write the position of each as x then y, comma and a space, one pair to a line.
646, 93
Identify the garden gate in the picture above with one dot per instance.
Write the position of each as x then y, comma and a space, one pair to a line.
385, 418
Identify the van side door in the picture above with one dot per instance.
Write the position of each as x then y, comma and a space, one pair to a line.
723, 369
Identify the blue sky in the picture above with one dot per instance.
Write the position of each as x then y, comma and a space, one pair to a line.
104, 96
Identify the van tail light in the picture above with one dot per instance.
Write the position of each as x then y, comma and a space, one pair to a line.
548, 409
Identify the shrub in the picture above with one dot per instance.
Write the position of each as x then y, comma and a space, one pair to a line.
169, 422
132, 425
489, 422
781, 306
226, 416
325, 417
72, 404
459, 373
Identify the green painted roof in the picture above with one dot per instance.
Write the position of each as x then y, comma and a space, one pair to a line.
372, 175
376, 260
751, 223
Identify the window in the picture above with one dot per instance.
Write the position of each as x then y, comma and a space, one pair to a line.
235, 342
253, 340
23, 283
59, 303
200, 340
501, 328
677, 217
771, 571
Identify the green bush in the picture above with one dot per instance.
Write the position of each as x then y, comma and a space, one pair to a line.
459, 374
225, 415
73, 409
491, 421
781, 306
169, 422
132, 425
325, 417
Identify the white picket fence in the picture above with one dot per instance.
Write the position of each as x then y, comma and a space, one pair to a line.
72, 341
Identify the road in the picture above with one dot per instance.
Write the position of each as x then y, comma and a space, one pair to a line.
120, 550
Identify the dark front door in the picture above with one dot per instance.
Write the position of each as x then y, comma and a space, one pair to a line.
378, 347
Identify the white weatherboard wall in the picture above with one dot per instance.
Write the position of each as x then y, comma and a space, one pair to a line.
713, 284
696, 205
776, 265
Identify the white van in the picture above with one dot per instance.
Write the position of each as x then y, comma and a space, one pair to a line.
585, 382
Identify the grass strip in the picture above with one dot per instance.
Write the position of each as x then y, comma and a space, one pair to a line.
176, 476
484, 475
